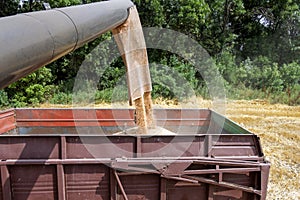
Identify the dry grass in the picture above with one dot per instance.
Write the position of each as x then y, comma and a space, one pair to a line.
277, 125
279, 129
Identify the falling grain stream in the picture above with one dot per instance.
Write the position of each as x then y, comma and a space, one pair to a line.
130, 40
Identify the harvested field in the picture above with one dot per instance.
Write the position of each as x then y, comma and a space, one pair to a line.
279, 129
277, 125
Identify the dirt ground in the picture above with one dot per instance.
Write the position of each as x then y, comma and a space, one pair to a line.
277, 125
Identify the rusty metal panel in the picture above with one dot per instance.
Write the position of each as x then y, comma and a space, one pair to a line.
182, 117
5, 184
29, 147
219, 151
186, 191
189, 129
87, 182
33, 182
61, 165
100, 147
94, 181
73, 117
7, 120
176, 146
108, 117
247, 179
221, 193
1, 190
236, 145
15, 147
140, 187
236, 140
182, 113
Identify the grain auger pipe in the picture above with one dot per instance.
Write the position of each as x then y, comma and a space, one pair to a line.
31, 40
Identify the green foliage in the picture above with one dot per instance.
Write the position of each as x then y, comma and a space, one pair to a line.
218, 33
261, 78
104, 96
32, 89
112, 95
8, 7
243, 93
4, 102
290, 74
112, 75
61, 98
294, 95
255, 45
290, 97
63, 3
230, 70
178, 80
186, 16
262, 74
66, 68
27, 7
270, 29
151, 12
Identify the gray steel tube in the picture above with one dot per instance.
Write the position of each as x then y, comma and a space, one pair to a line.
29, 41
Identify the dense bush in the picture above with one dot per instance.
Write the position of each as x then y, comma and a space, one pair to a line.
261, 78
3, 99
262, 74
61, 98
254, 44
32, 89
173, 79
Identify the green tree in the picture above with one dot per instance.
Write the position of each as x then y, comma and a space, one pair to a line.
269, 28
8, 7
263, 74
32, 89
255, 44
63, 3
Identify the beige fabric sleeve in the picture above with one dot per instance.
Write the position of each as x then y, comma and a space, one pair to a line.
130, 39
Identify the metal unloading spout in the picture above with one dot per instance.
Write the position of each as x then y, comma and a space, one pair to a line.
31, 40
